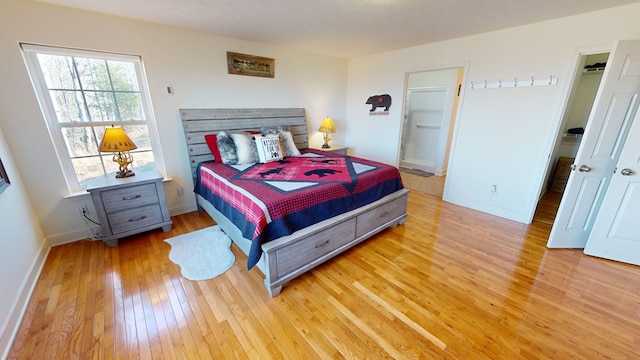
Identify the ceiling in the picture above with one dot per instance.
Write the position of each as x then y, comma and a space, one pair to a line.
342, 28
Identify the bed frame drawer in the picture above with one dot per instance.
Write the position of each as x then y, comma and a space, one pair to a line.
319, 244
380, 216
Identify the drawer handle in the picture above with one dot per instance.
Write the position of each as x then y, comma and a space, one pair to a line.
323, 244
384, 214
131, 197
138, 219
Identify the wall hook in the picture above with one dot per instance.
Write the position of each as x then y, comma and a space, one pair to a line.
499, 82
515, 82
472, 85
550, 79
532, 81
485, 84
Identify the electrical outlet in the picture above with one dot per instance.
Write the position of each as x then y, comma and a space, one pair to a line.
83, 210
179, 191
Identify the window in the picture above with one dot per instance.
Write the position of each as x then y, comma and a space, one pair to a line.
83, 92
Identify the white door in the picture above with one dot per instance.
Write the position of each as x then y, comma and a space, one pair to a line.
608, 123
616, 231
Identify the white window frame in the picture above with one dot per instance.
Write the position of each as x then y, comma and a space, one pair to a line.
30, 52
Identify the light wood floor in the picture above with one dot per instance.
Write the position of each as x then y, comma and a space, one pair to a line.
451, 283
432, 185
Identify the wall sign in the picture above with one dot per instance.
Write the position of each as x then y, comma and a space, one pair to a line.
242, 64
379, 101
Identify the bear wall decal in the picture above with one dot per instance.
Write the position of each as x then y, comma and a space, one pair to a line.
377, 101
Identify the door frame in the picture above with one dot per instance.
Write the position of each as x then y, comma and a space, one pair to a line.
405, 122
556, 139
463, 69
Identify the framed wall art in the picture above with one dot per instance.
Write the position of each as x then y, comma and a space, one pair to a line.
4, 179
242, 64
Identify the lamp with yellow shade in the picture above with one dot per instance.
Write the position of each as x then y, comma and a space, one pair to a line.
115, 140
327, 127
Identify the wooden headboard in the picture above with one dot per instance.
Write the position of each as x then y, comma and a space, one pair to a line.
199, 122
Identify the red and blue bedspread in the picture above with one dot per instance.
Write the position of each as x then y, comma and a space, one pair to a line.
268, 201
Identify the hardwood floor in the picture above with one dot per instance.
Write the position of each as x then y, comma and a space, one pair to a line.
451, 283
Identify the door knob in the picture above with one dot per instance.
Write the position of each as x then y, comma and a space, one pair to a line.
584, 168
626, 172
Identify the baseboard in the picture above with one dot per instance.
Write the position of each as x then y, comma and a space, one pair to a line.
10, 328
72, 236
179, 210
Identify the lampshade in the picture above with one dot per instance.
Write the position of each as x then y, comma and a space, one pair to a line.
115, 140
327, 126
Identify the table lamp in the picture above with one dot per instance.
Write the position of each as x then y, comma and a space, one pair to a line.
327, 127
115, 140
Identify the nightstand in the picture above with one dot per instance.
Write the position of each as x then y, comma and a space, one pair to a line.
342, 150
129, 205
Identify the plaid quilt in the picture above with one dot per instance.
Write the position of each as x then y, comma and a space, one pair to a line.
275, 199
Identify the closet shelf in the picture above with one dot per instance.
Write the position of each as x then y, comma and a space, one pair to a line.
428, 126
593, 71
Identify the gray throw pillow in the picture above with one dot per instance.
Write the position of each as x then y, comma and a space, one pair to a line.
227, 148
288, 144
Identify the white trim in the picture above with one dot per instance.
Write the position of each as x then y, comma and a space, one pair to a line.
65, 51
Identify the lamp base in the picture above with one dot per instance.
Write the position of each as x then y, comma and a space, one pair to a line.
326, 139
124, 174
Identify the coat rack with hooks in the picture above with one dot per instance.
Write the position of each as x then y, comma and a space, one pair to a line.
514, 83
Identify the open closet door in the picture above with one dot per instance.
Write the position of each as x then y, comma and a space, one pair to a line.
609, 120
616, 231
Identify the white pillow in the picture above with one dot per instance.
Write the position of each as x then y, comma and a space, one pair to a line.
268, 148
245, 148
288, 145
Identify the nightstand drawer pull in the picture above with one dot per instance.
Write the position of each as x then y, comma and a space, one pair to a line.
138, 219
131, 197
323, 244
384, 214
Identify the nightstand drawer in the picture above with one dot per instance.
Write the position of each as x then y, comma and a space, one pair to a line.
135, 218
129, 197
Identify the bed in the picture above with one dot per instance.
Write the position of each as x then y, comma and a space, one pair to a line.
280, 234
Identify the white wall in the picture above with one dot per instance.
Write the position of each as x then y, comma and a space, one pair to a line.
193, 63
503, 137
22, 250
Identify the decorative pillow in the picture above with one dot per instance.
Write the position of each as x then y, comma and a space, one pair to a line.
227, 148
288, 145
268, 148
246, 150
268, 130
212, 142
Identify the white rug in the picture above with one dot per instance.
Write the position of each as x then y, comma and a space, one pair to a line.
202, 254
